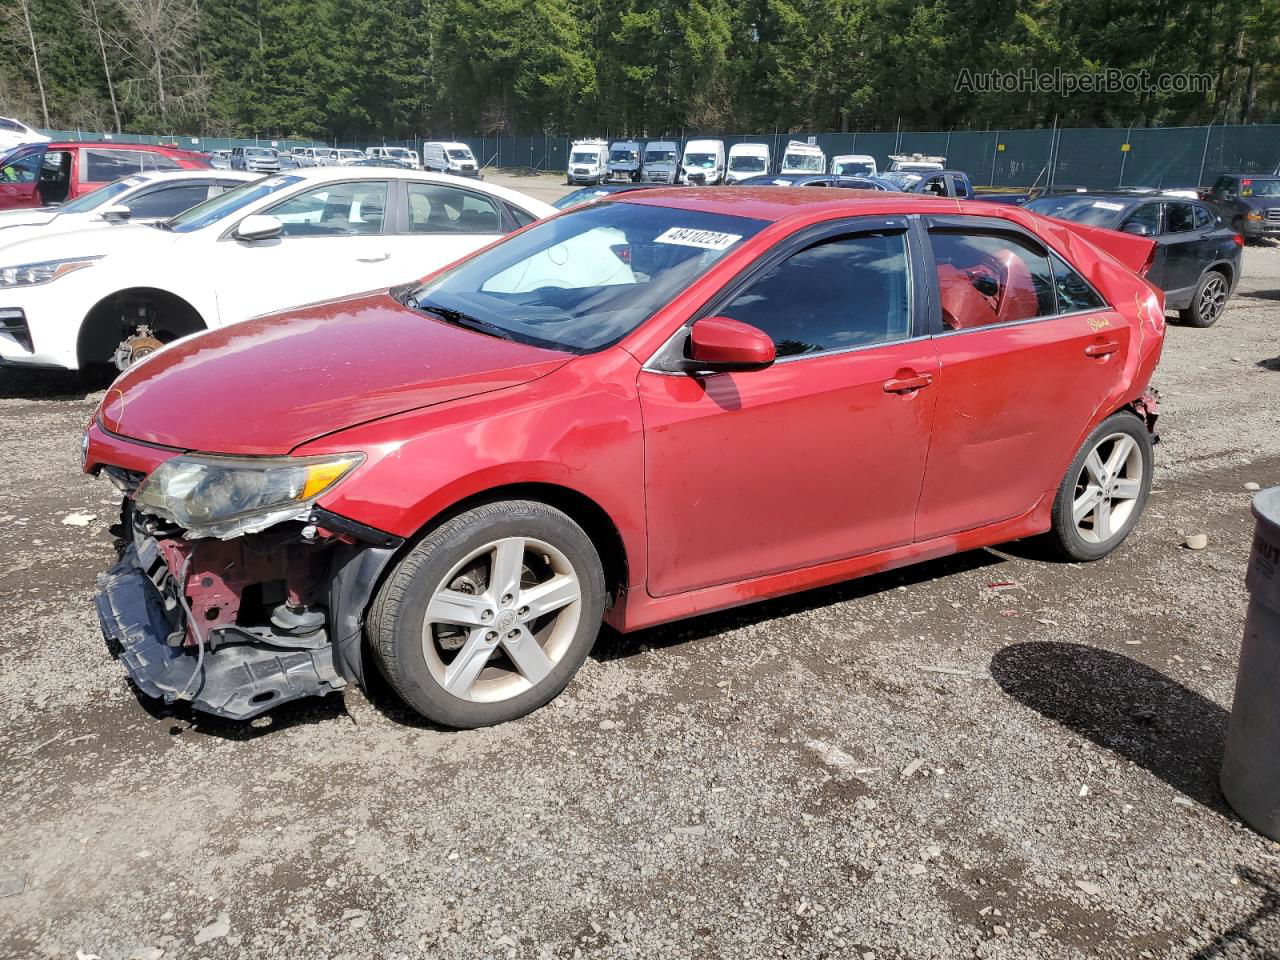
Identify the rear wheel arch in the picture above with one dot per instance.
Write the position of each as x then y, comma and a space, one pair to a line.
117, 315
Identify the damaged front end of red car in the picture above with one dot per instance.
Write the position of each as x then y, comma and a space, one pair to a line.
245, 619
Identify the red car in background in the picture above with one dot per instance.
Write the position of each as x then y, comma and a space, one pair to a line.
47, 174
639, 410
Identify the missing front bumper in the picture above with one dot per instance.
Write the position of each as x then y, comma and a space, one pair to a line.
236, 681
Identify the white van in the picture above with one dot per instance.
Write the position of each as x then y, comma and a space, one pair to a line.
588, 161
803, 158
747, 160
915, 163
449, 156
703, 162
403, 154
854, 165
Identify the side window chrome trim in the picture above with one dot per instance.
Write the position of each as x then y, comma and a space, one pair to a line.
1019, 323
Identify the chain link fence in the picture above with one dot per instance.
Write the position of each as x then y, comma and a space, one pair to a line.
1094, 158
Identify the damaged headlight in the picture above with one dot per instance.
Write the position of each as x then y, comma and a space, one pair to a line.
29, 274
213, 496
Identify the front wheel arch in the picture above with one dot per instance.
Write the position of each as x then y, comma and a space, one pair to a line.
118, 314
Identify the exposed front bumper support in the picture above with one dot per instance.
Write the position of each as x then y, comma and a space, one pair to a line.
238, 680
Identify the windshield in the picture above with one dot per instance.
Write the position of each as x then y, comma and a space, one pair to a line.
802, 161
584, 156
902, 179
459, 154
579, 197
741, 164
622, 156
1260, 188
98, 198
1092, 211
584, 280
398, 152
854, 168
660, 156
223, 205
916, 167
258, 152
702, 161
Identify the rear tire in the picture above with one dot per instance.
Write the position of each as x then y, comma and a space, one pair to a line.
1209, 301
490, 616
1104, 491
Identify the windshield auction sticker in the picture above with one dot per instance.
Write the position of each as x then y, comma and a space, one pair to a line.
703, 239
1106, 205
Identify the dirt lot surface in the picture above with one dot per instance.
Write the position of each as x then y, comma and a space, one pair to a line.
988, 756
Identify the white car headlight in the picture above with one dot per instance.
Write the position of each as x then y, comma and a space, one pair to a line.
28, 274
213, 496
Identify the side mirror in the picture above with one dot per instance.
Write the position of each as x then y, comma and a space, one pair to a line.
1137, 229
258, 227
116, 213
721, 344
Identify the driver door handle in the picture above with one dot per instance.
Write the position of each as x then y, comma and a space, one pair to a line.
908, 384
379, 259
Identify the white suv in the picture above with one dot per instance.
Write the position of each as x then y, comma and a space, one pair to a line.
92, 297
403, 154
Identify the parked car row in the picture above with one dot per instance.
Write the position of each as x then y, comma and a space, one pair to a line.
707, 163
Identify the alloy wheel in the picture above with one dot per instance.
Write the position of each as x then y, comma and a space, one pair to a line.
501, 620
1213, 299
1107, 489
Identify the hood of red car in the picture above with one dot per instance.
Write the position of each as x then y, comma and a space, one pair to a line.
267, 385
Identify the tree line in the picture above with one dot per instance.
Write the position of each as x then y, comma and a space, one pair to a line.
353, 69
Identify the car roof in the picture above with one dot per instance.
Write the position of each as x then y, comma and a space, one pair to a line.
335, 174
817, 203
110, 144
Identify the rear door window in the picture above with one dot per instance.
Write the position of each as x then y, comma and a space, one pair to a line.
844, 292
1203, 217
1074, 292
101, 165
24, 169
439, 209
1179, 218
990, 278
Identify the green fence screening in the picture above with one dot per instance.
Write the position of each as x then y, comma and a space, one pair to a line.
1094, 158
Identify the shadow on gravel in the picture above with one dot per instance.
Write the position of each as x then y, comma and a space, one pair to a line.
48, 384
1260, 931
613, 645
1124, 706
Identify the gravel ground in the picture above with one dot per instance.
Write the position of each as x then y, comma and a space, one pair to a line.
914, 765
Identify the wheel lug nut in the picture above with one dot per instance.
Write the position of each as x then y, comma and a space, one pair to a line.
491, 635
523, 611
487, 615
506, 598
513, 634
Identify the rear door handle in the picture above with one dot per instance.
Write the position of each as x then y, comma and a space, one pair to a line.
907, 384
385, 256
1102, 349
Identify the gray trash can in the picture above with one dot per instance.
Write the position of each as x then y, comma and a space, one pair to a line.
1251, 762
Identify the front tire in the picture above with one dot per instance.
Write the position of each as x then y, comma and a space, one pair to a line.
489, 617
1105, 489
1209, 302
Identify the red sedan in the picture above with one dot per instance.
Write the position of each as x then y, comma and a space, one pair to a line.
639, 410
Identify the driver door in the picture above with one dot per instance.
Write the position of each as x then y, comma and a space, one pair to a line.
816, 458
20, 179
333, 243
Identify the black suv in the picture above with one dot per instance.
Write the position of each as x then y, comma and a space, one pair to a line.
1250, 203
1197, 257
